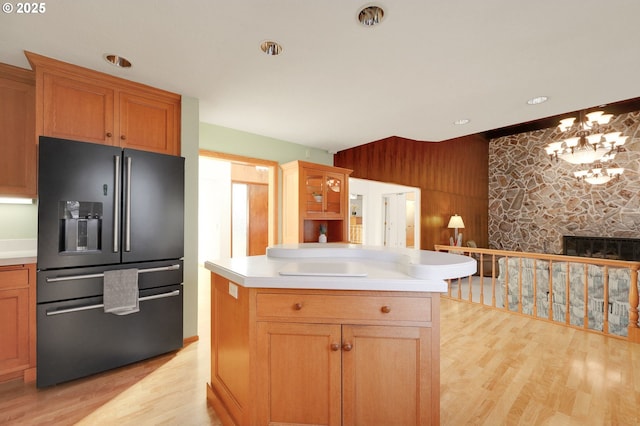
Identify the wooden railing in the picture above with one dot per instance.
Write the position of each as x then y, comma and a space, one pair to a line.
532, 292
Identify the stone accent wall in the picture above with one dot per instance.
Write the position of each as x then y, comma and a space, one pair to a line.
534, 200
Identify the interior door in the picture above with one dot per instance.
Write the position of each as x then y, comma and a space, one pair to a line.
153, 206
250, 219
258, 226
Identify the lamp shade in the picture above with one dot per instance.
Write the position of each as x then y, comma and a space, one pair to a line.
455, 222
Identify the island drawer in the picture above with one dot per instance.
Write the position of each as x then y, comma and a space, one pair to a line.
343, 307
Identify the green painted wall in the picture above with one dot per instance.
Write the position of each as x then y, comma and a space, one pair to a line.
18, 222
230, 141
236, 142
189, 146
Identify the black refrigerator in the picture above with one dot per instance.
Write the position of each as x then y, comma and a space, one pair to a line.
103, 209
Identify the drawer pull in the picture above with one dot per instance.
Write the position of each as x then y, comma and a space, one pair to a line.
347, 347
109, 134
297, 306
385, 309
335, 346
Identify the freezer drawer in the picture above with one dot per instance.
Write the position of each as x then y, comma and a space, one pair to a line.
76, 283
76, 338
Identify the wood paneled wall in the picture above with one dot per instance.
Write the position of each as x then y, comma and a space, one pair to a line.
452, 176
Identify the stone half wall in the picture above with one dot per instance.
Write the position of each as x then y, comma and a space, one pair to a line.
534, 200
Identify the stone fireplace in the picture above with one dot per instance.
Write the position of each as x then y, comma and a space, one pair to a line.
534, 201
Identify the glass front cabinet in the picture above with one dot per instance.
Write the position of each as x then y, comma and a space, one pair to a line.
315, 202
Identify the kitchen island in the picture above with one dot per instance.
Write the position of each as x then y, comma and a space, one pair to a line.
329, 334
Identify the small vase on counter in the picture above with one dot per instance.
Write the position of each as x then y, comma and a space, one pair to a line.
323, 234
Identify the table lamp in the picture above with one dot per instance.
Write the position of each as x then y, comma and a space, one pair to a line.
456, 222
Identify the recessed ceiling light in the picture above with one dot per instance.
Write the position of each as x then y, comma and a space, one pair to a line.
370, 16
537, 100
461, 121
118, 61
271, 48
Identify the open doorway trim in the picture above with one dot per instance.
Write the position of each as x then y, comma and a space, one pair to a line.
273, 184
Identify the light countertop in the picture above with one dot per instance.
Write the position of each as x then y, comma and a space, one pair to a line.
336, 266
18, 252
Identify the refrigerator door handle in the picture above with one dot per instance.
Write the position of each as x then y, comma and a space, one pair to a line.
101, 305
116, 204
100, 275
127, 219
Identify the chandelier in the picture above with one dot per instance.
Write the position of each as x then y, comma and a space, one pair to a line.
589, 141
598, 175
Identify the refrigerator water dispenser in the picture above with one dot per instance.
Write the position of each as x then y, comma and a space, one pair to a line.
80, 226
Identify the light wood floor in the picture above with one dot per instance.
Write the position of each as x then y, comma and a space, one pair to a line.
496, 369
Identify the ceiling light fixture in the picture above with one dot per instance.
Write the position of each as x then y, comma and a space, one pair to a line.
370, 16
271, 48
461, 121
117, 61
590, 140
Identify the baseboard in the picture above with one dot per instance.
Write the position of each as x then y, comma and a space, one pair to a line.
188, 340
11, 376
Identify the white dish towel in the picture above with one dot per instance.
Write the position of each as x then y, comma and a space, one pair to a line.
121, 291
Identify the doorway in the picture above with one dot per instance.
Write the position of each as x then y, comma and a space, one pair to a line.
399, 219
384, 214
238, 205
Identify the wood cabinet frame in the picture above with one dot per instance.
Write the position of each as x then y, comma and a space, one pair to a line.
89, 106
18, 313
17, 141
267, 342
299, 224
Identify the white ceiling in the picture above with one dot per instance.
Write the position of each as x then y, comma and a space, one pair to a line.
338, 84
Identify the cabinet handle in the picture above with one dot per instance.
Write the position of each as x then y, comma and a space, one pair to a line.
109, 134
335, 346
347, 347
297, 306
385, 309
123, 137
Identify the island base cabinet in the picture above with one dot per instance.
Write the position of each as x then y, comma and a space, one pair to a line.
323, 357
324, 374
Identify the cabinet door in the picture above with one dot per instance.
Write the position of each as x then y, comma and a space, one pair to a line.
149, 123
299, 374
17, 138
386, 375
14, 319
78, 109
313, 198
334, 194
323, 194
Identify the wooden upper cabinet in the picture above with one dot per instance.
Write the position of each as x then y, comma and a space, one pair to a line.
77, 108
17, 138
149, 123
85, 105
315, 196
